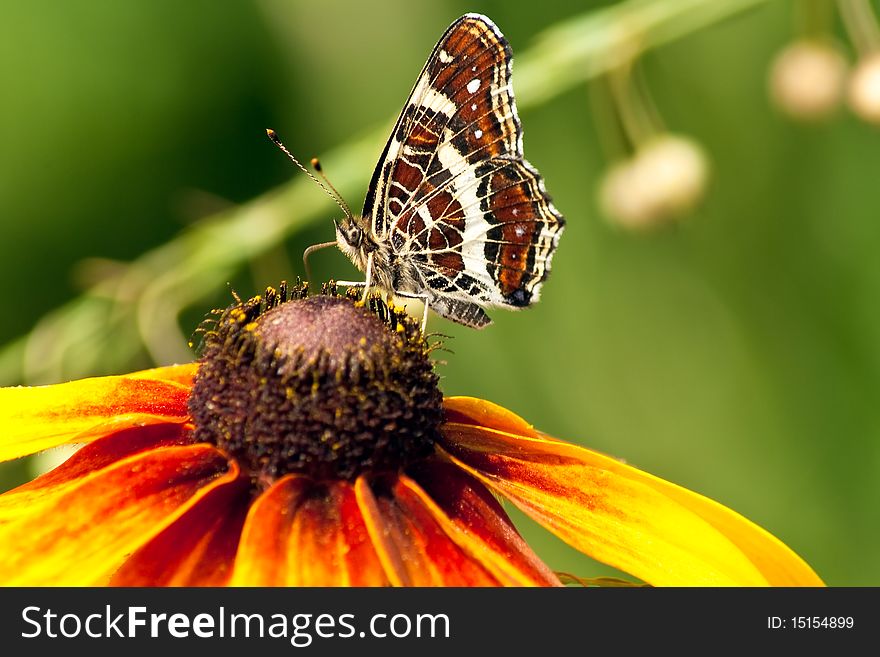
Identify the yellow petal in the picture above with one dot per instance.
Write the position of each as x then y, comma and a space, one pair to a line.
650, 528
182, 374
36, 418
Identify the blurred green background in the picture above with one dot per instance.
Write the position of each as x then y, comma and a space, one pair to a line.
736, 353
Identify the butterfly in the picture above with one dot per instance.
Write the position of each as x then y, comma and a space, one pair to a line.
454, 215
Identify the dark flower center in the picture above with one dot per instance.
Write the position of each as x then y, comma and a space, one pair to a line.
320, 385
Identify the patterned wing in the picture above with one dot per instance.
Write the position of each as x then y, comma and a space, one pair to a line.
452, 191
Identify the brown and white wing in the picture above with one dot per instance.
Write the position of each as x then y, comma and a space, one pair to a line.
452, 191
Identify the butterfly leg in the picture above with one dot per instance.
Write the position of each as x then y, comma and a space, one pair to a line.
366, 284
369, 277
424, 298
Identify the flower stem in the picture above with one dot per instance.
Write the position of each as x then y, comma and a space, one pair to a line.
814, 19
861, 24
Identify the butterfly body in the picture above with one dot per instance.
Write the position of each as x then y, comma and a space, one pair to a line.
390, 270
454, 214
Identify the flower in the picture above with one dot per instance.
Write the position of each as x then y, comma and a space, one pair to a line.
864, 89
310, 446
665, 179
807, 79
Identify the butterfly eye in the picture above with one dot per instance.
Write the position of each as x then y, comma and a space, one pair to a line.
355, 235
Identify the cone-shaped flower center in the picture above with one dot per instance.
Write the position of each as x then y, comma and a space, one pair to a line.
320, 386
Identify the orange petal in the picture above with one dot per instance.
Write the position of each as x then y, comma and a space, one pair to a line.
37, 418
650, 528
482, 413
198, 549
329, 543
475, 521
300, 533
413, 547
262, 553
95, 456
81, 534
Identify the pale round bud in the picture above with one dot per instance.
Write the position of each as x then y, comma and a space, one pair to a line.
673, 171
864, 89
665, 179
621, 198
807, 79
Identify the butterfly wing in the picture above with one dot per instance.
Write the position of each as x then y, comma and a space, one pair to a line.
452, 191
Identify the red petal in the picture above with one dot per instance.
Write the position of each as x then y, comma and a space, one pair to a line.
198, 549
475, 520
93, 457
412, 546
329, 542
80, 533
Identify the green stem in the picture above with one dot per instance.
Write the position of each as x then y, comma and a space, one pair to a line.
861, 24
814, 19
630, 105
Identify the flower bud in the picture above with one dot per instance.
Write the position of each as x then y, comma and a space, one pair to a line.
807, 79
620, 198
864, 89
665, 179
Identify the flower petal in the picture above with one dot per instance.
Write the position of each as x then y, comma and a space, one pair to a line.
37, 418
198, 549
413, 547
778, 563
95, 456
299, 533
650, 528
262, 553
482, 413
83, 532
182, 374
473, 518
329, 543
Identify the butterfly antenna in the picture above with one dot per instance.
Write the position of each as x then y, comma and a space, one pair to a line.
316, 164
337, 198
